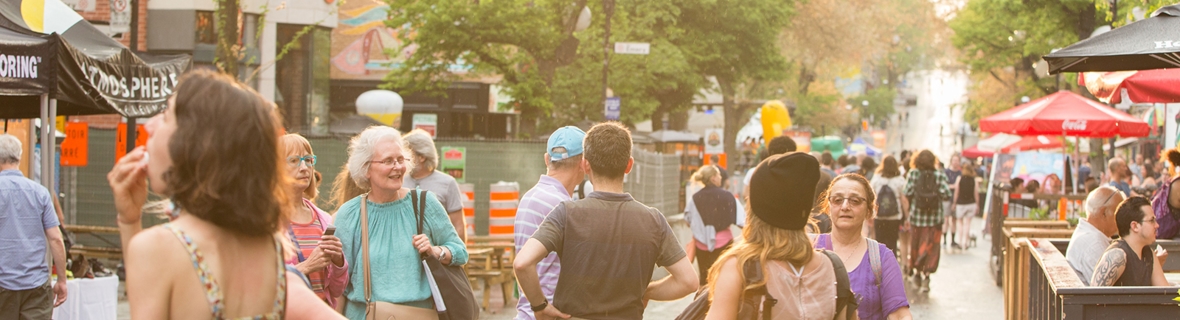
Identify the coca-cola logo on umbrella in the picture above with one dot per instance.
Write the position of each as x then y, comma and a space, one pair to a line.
1073, 125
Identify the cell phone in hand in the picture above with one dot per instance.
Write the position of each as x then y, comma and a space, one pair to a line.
330, 231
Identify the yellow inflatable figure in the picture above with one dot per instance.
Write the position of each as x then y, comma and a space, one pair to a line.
775, 119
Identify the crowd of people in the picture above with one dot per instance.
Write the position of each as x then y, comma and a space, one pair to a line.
819, 235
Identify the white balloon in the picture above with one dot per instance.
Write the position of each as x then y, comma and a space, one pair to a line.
583, 20
379, 102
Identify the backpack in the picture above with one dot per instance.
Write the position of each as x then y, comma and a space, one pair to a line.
887, 202
757, 303
926, 196
1168, 219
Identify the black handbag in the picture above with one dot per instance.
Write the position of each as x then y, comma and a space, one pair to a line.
457, 296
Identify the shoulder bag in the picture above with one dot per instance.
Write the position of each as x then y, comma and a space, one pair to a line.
454, 299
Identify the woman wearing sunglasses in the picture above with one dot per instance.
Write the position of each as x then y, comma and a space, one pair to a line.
318, 255
872, 268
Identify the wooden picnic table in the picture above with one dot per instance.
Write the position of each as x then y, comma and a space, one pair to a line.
111, 250
490, 262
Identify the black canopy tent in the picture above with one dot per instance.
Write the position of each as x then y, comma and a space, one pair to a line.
52, 62
1152, 43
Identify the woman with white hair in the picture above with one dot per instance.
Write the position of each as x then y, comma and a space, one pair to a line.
377, 162
424, 176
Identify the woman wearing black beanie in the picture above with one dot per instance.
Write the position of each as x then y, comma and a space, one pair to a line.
774, 268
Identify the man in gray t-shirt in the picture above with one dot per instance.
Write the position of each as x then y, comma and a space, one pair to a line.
609, 244
425, 177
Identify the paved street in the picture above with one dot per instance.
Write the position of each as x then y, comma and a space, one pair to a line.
961, 289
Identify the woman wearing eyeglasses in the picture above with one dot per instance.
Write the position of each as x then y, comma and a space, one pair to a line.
377, 163
872, 268
318, 256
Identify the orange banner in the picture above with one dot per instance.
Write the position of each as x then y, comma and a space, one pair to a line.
75, 149
121, 139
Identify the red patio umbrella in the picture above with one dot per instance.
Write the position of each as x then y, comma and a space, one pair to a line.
1144, 86
1065, 114
1026, 143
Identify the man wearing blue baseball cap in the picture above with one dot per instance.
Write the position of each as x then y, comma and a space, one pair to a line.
563, 157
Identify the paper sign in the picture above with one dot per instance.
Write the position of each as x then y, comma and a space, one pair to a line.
75, 149
454, 162
121, 139
714, 141
427, 122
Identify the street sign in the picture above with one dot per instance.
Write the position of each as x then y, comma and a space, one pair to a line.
613, 105
120, 16
632, 47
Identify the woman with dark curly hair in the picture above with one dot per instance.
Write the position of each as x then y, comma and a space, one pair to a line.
926, 187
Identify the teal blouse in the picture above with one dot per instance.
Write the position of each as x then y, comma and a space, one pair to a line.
397, 274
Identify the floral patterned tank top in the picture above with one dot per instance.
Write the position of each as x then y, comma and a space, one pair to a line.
213, 291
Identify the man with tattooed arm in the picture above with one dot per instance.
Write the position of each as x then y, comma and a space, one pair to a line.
1129, 261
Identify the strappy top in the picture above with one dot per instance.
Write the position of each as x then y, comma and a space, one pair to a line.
213, 291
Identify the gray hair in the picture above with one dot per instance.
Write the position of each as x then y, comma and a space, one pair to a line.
421, 145
362, 147
1099, 198
10, 149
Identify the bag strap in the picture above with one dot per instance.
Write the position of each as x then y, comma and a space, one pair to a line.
845, 299
417, 213
418, 198
752, 271
582, 189
875, 260
365, 248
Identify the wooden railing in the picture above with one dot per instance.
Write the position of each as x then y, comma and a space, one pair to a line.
1040, 284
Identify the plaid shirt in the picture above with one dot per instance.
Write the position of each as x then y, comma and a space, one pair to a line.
919, 218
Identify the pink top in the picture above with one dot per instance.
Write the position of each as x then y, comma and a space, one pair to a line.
723, 238
332, 279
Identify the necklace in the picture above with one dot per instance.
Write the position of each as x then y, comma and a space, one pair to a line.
854, 249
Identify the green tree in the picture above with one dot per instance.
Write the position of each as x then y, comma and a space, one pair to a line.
735, 43
522, 41
1001, 41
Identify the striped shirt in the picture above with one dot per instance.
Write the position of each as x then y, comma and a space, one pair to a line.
308, 237
920, 218
534, 206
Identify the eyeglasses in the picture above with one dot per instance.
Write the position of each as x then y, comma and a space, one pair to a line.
855, 201
1151, 221
388, 162
296, 161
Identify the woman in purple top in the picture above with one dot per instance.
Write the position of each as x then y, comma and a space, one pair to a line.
850, 201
